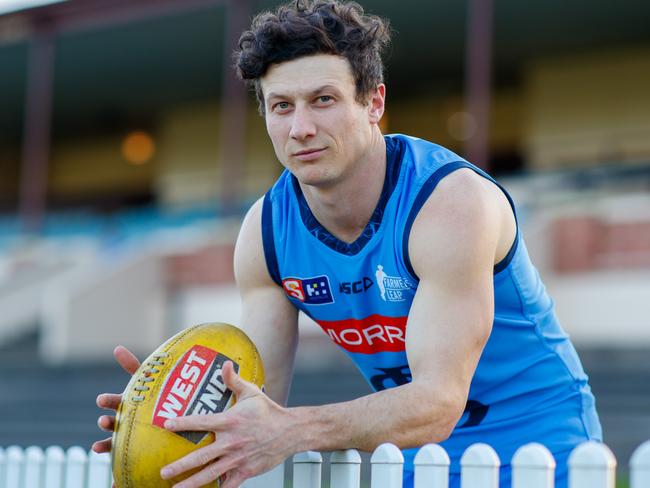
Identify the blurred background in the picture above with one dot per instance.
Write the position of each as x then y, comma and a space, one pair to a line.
129, 154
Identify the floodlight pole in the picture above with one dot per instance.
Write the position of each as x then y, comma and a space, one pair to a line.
233, 113
36, 136
478, 68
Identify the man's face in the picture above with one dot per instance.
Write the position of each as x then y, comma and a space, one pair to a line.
318, 128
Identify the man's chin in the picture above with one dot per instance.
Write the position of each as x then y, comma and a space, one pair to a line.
312, 179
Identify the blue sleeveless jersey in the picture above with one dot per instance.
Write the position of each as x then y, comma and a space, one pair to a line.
529, 385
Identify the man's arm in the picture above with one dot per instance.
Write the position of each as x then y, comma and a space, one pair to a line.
268, 317
459, 234
454, 243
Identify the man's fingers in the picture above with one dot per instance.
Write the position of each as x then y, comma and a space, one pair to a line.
126, 359
234, 480
212, 423
109, 401
102, 446
106, 423
193, 460
202, 478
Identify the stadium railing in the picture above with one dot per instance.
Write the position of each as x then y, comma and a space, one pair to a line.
591, 465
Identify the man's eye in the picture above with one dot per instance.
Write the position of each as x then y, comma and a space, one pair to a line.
281, 106
324, 99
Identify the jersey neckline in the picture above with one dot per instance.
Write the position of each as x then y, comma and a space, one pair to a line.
394, 156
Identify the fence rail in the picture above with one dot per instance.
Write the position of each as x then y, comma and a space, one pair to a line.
591, 465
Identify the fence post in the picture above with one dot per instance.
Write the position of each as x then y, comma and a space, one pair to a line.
15, 462
387, 467
431, 467
345, 469
34, 461
54, 460
307, 469
479, 467
99, 470
3, 463
640, 466
273, 478
533, 466
76, 460
592, 464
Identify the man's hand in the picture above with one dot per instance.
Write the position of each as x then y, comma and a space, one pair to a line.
111, 401
249, 438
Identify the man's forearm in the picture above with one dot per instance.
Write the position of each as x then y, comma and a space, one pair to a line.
407, 416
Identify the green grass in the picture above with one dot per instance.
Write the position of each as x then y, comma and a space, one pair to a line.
622, 481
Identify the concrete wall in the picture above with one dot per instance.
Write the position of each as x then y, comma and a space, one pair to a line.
190, 169
90, 166
440, 118
86, 314
583, 110
186, 168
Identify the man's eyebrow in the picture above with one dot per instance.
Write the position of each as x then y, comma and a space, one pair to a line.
323, 88
274, 95
312, 93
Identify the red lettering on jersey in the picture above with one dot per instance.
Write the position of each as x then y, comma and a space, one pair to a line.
375, 333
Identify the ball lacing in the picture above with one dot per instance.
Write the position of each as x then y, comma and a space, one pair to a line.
146, 376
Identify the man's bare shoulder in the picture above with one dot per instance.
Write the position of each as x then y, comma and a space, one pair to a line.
466, 216
464, 186
250, 263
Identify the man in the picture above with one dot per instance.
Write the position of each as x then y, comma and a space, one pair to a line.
406, 255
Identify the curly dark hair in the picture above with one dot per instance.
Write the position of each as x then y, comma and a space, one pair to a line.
307, 27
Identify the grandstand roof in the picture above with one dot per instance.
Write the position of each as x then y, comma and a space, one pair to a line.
152, 53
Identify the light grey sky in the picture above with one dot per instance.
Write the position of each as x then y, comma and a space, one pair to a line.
7, 6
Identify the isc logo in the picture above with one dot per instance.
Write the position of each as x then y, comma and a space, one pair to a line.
354, 287
312, 291
194, 387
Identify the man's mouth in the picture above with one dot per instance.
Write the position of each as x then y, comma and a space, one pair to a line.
309, 154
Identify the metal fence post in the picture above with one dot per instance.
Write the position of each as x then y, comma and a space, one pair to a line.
345, 469
34, 461
54, 461
76, 460
533, 466
592, 465
431, 467
387, 467
15, 462
640, 466
479, 467
307, 469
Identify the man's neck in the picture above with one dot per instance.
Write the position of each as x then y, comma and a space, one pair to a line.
345, 208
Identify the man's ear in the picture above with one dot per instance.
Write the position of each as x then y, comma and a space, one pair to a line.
376, 103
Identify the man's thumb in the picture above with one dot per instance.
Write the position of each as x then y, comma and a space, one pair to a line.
233, 381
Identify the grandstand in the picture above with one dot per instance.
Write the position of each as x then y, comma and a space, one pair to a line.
128, 154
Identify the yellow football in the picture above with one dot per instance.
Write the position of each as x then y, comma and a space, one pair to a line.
182, 377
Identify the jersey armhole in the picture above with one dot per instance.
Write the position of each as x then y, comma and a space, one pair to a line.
423, 195
268, 241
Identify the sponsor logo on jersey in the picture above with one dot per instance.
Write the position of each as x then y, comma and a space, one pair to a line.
194, 387
312, 291
375, 333
355, 287
391, 377
392, 288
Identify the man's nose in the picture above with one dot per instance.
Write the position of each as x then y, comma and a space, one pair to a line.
302, 124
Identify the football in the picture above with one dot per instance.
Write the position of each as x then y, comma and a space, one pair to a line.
182, 377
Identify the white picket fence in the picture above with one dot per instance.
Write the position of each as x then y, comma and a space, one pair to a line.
591, 465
